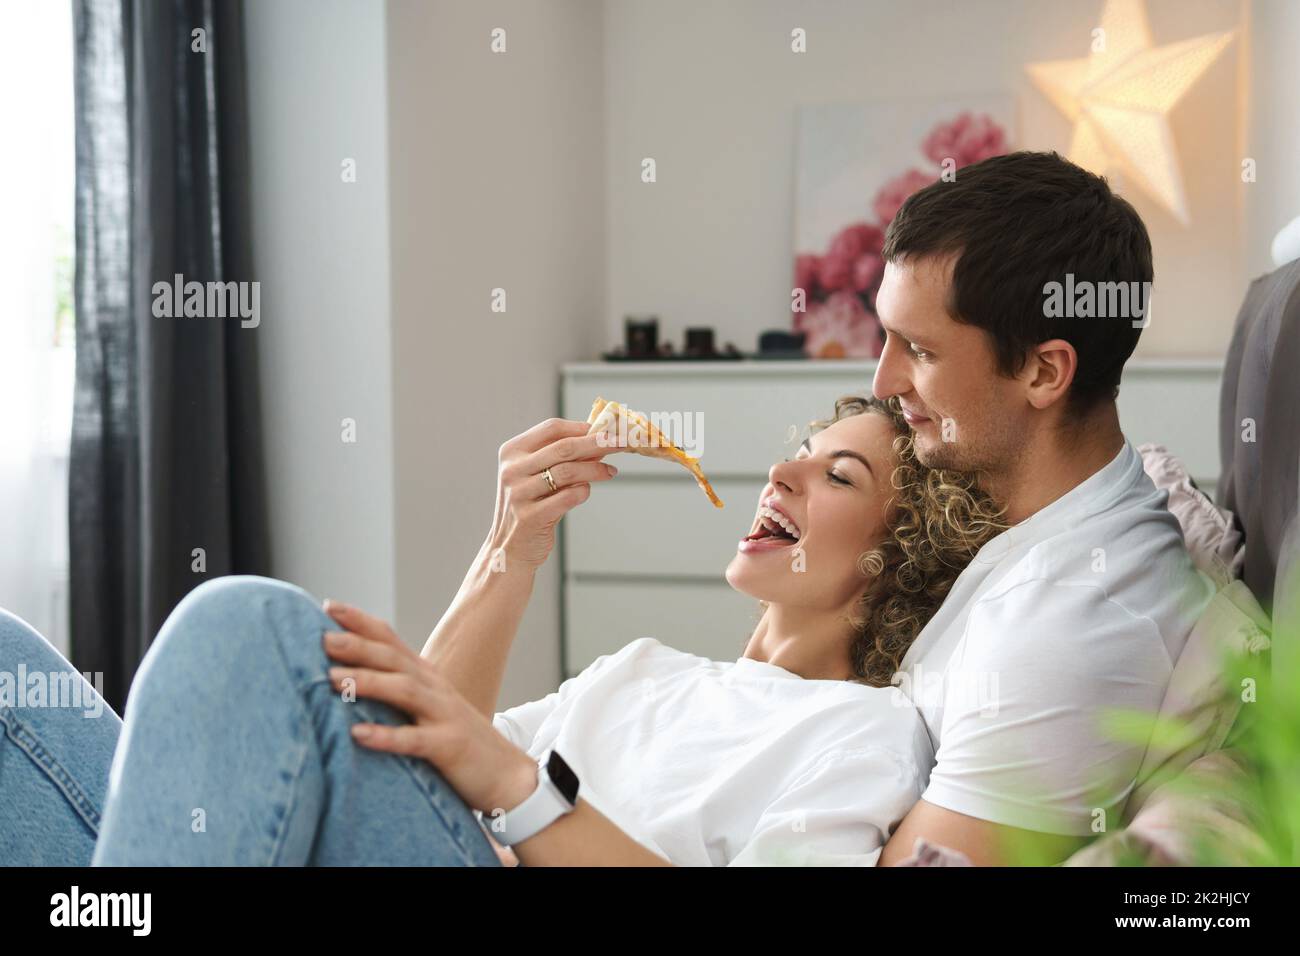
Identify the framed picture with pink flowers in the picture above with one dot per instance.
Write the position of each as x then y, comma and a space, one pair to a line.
855, 164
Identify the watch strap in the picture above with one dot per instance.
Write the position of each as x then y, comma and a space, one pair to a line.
539, 810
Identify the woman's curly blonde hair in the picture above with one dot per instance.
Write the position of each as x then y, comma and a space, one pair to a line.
940, 520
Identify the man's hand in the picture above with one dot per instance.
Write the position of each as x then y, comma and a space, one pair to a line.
985, 843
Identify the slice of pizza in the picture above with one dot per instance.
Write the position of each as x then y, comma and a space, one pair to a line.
644, 438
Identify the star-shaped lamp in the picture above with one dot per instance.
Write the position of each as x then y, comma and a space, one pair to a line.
1119, 99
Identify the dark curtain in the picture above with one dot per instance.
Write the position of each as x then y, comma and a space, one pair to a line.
166, 478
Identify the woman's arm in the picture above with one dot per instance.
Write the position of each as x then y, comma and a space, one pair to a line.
585, 837
472, 642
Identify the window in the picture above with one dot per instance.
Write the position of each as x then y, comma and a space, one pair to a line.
37, 194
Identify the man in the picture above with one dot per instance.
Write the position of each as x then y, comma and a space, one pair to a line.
1084, 604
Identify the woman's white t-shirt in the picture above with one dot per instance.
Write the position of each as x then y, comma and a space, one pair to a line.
712, 763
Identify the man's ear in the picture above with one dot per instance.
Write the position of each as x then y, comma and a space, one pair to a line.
1049, 370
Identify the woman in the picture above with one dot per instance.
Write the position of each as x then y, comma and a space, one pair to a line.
238, 745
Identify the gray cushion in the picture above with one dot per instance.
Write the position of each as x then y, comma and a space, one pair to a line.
1229, 423
1279, 454
1261, 379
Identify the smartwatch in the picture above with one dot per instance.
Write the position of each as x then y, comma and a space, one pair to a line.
556, 795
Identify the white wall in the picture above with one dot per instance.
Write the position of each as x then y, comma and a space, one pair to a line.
317, 92
496, 177
710, 90
1273, 127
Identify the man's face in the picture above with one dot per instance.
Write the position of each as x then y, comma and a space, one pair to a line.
964, 414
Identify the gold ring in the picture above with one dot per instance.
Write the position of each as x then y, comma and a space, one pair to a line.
546, 473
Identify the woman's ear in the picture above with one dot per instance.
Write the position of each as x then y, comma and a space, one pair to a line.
1048, 372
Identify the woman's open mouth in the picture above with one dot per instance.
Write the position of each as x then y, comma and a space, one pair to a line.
773, 532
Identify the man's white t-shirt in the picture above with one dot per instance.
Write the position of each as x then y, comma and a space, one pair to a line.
1081, 608
712, 763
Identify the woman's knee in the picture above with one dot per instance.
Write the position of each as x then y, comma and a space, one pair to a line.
22, 643
237, 620
39, 681
237, 593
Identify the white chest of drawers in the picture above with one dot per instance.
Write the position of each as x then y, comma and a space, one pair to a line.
645, 555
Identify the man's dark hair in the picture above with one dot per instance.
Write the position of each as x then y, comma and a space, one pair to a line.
1016, 223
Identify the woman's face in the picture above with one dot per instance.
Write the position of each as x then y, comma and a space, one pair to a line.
834, 499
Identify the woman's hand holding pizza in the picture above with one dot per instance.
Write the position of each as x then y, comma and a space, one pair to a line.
541, 475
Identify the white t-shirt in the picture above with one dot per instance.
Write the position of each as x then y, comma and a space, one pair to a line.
711, 763
1083, 606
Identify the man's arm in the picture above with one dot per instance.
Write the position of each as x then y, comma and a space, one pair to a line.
984, 843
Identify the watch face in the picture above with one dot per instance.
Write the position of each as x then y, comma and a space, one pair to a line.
565, 780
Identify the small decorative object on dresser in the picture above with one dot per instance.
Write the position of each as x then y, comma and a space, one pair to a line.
641, 336
780, 344
699, 343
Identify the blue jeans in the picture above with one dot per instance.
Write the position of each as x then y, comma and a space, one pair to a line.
54, 760
235, 750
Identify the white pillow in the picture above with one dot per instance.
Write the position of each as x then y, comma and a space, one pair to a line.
1209, 532
1198, 697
